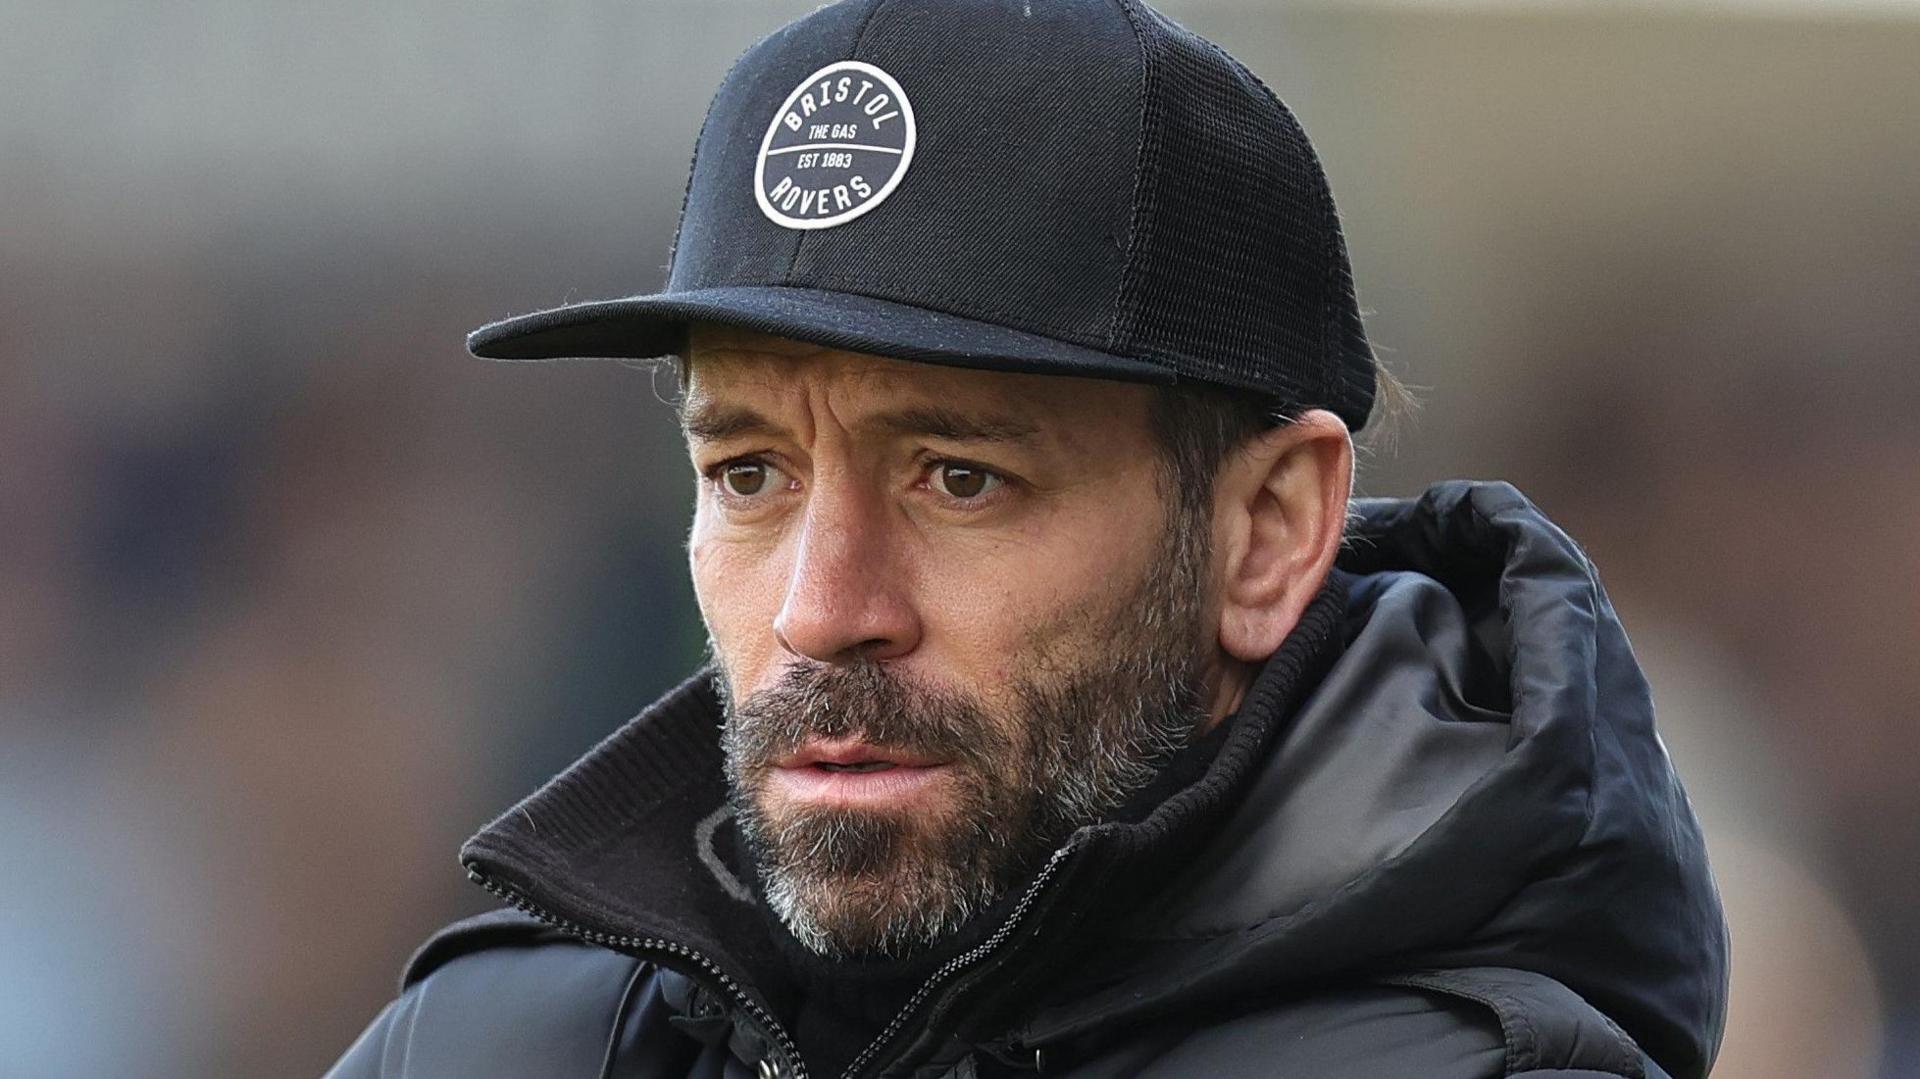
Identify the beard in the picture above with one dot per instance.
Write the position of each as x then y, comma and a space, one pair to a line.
1091, 724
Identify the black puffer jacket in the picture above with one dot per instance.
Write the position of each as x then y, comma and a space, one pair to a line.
1440, 840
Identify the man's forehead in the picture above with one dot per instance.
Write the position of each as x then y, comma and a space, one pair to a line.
731, 367
741, 361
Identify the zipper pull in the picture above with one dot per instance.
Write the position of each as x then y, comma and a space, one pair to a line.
768, 1069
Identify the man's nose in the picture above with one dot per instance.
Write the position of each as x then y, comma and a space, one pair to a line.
845, 599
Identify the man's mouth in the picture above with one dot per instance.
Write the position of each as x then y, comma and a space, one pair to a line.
850, 772
852, 755
863, 766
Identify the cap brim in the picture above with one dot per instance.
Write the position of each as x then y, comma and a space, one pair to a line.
646, 327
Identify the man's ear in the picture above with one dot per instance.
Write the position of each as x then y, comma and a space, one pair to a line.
1280, 510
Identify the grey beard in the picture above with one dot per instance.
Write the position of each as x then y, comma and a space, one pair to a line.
1089, 734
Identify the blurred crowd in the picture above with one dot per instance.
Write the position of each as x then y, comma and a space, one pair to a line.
294, 595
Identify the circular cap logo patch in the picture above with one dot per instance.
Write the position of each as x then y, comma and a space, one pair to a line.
836, 149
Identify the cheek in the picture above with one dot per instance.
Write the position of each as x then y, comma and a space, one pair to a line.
738, 590
1017, 609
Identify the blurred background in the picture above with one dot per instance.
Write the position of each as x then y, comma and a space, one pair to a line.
294, 595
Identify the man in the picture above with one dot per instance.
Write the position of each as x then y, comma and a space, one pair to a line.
1065, 716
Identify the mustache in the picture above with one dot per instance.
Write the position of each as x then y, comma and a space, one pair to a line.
863, 700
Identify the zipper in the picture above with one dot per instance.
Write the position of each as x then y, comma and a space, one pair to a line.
652, 947
958, 963
647, 947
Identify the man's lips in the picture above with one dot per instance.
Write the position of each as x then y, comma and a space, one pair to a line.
845, 753
847, 772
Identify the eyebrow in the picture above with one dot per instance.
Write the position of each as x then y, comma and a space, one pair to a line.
714, 422
708, 422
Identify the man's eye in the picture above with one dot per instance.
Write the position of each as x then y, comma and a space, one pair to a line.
956, 480
744, 478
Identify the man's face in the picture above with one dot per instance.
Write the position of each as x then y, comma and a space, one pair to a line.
953, 619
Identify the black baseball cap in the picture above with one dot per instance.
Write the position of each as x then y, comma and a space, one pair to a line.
1076, 187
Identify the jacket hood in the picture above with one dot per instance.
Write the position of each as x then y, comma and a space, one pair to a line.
1476, 781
